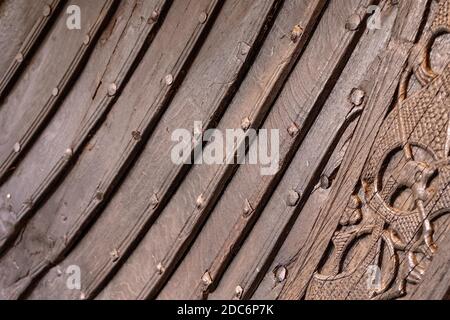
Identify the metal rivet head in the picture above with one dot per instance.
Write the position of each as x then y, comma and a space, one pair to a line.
58, 271
293, 130
8, 196
160, 268
169, 79
296, 33
248, 209
238, 292
19, 57
46, 10
280, 273
154, 201
353, 22
293, 198
202, 17
136, 135
245, 124
112, 89
206, 278
86, 39
325, 182
245, 49
154, 16
357, 97
17, 147
55, 92
82, 296
114, 255
200, 201
68, 153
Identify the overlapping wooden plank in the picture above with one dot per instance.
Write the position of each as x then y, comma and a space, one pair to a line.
46, 79
275, 276
181, 219
58, 224
303, 175
112, 62
22, 24
233, 40
299, 102
379, 100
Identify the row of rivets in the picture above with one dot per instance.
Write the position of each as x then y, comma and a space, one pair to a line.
202, 17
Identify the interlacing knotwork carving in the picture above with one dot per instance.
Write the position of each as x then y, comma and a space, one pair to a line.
386, 236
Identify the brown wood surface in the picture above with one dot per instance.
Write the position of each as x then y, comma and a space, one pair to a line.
87, 180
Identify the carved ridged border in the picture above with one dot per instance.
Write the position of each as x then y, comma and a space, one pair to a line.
62, 86
28, 45
133, 146
288, 147
86, 129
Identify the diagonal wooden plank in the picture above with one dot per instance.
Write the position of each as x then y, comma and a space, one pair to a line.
32, 101
380, 99
303, 175
111, 150
111, 64
181, 219
20, 14
299, 102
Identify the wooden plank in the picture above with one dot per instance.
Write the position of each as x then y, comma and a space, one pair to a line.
242, 39
300, 97
112, 62
111, 150
32, 101
181, 219
303, 176
276, 275
19, 36
379, 101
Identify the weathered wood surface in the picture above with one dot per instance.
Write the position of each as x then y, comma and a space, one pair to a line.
380, 100
107, 71
221, 81
22, 25
52, 220
87, 178
34, 98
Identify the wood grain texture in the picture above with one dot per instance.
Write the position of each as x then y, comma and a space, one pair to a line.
298, 98
113, 60
136, 214
22, 25
90, 182
380, 99
335, 125
25, 111
256, 93
356, 91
